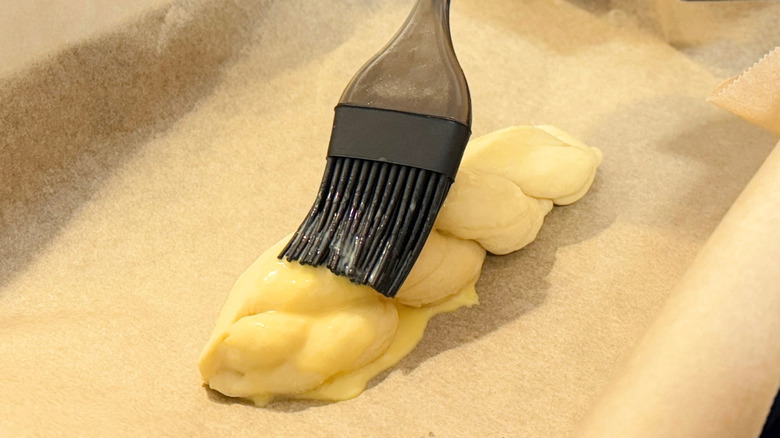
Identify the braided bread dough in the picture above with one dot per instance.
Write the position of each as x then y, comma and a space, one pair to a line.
301, 332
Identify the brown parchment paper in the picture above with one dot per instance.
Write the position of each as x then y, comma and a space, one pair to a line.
708, 365
754, 95
142, 169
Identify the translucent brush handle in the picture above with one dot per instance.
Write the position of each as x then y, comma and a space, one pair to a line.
417, 71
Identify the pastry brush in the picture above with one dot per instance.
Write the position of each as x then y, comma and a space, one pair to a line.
399, 132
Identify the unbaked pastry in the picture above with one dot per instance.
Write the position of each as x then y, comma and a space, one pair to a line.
295, 331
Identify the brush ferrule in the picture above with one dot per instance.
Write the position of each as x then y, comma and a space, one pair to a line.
415, 140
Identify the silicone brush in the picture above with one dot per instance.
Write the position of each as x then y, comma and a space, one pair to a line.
398, 137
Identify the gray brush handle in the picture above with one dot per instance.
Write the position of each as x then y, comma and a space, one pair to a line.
417, 71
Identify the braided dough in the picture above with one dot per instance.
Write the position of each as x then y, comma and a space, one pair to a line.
301, 332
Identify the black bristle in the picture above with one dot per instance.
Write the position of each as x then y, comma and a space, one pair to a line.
439, 187
369, 221
388, 258
356, 211
315, 250
363, 230
388, 217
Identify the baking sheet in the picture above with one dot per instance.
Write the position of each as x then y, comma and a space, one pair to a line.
143, 169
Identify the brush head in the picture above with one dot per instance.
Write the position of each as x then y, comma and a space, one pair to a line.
370, 221
398, 137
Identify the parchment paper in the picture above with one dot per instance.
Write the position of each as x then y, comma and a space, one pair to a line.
708, 365
143, 169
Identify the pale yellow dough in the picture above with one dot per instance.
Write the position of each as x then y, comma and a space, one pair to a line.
295, 331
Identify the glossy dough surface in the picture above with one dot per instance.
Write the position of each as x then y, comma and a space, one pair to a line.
300, 332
